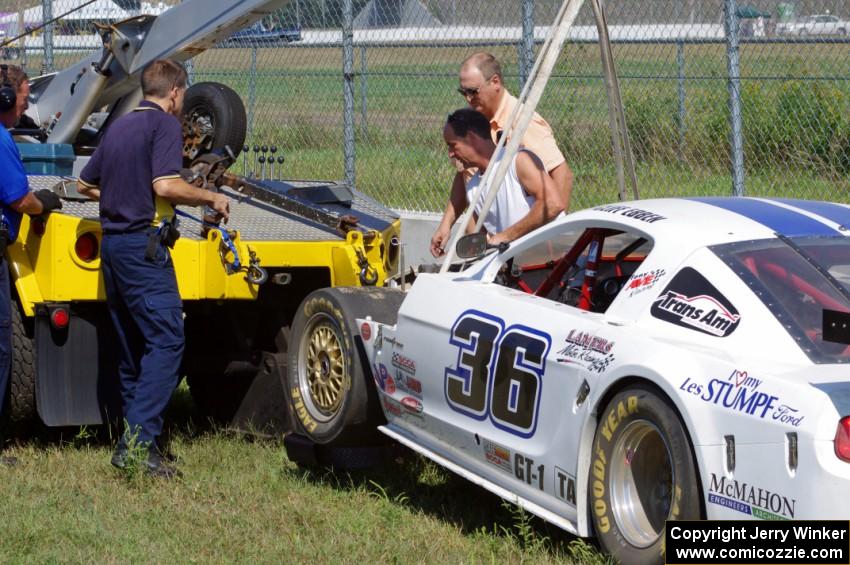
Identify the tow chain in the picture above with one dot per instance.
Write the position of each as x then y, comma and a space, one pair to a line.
253, 272
366, 279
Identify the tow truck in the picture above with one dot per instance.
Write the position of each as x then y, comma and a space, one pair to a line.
240, 283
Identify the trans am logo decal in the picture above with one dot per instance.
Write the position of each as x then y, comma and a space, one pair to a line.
690, 301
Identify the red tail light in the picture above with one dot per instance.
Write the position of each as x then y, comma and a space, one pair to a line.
842, 439
86, 247
59, 318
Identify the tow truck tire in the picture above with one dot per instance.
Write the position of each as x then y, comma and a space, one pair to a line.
642, 472
19, 408
327, 382
216, 106
22, 374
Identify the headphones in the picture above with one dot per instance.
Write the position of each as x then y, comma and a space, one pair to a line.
8, 94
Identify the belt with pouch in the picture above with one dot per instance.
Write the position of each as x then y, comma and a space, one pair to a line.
166, 234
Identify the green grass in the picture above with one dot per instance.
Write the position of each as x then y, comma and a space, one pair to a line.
244, 501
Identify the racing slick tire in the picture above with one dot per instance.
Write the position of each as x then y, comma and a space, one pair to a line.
327, 382
642, 472
213, 116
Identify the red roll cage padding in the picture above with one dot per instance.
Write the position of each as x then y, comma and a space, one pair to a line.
564, 263
822, 298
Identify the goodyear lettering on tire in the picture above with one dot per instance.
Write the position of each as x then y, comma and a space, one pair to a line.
301, 411
611, 419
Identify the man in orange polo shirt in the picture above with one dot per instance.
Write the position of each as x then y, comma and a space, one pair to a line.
482, 85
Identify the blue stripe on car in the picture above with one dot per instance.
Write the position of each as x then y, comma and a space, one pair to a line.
781, 220
834, 212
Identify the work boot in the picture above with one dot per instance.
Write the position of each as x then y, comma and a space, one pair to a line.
165, 451
159, 468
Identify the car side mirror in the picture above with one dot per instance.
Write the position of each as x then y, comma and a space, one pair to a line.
471, 245
474, 245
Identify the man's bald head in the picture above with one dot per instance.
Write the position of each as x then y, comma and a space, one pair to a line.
486, 63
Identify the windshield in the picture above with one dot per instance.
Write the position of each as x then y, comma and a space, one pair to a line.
797, 280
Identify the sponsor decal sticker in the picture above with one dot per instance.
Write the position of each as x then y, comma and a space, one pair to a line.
394, 342
742, 393
404, 363
641, 282
750, 499
383, 379
586, 350
408, 383
413, 405
365, 331
391, 406
565, 486
630, 212
690, 301
497, 455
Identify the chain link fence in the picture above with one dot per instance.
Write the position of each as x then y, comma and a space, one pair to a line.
721, 96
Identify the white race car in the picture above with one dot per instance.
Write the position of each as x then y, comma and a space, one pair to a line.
622, 366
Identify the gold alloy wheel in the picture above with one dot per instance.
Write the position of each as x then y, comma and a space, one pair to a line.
324, 369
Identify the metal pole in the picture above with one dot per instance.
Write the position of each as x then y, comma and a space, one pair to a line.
733, 68
46, 16
348, 89
298, 14
190, 71
680, 64
252, 91
364, 126
526, 54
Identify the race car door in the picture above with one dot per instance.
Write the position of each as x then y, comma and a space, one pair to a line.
494, 396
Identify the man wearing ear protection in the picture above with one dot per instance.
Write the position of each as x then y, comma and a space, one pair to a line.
15, 199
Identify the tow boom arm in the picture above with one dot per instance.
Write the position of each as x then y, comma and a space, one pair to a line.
63, 101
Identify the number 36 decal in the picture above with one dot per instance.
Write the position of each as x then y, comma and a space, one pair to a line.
498, 373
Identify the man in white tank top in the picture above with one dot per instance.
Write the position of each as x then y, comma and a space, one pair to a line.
527, 198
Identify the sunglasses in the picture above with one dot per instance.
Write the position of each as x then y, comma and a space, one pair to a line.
469, 92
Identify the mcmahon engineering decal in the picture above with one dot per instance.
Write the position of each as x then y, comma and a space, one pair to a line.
750, 499
692, 302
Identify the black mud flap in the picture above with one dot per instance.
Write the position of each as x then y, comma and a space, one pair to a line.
76, 368
263, 409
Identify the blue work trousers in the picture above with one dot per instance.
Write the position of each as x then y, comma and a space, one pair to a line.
147, 313
5, 330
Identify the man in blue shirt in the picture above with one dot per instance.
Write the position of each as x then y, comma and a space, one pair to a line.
15, 200
135, 173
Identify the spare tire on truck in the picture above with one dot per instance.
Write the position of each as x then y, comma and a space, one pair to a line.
213, 117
